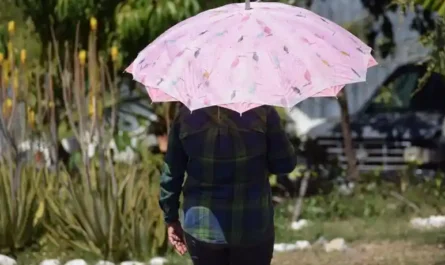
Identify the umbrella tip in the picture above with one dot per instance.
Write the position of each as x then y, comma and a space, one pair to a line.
247, 4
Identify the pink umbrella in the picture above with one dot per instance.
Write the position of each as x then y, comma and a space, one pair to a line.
243, 56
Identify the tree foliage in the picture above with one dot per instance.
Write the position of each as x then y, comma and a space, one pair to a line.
380, 9
130, 25
138, 22
434, 5
435, 39
24, 36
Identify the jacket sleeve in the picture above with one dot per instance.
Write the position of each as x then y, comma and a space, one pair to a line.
172, 177
281, 157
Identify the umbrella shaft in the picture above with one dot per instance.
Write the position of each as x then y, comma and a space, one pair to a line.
247, 4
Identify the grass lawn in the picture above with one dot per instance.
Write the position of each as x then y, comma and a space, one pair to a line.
386, 240
369, 253
383, 241
373, 242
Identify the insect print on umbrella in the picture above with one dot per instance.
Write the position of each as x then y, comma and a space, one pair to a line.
204, 74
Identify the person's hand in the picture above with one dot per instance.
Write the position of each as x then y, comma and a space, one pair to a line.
176, 237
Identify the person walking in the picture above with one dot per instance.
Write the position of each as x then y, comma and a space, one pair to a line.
228, 216
244, 58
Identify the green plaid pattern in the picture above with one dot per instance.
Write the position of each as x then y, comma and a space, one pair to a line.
227, 158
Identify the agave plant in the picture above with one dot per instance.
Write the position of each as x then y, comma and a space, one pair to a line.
21, 210
111, 222
145, 231
87, 218
108, 209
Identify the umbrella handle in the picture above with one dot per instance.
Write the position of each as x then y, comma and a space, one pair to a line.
247, 4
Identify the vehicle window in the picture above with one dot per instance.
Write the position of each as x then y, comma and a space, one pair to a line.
431, 97
396, 95
403, 93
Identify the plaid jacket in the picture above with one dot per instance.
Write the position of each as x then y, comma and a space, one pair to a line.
227, 158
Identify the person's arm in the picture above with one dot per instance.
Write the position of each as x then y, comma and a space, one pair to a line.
281, 157
172, 176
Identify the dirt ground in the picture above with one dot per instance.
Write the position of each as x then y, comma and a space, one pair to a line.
382, 253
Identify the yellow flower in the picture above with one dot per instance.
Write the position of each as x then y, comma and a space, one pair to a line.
114, 53
94, 105
91, 107
2, 57
23, 56
10, 51
82, 57
8, 103
5, 77
11, 27
5, 73
15, 82
7, 107
93, 24
31, 117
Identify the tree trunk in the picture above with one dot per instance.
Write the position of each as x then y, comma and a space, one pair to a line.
351, 157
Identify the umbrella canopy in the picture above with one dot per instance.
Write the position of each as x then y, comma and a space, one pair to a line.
240, 56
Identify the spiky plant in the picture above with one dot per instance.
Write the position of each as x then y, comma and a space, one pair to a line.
108, 209
21, 177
